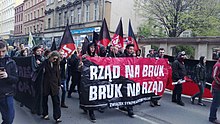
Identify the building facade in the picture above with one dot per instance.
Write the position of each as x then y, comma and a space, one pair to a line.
7, 17
18, 28
85, 16
34, 17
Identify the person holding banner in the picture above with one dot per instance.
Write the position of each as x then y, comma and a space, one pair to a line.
90, 52
215, 93
160, 54
8, 77
200, 79
178, 74
129, 52
51, 87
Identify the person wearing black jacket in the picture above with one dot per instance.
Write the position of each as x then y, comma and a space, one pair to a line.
63, 79
178, 74
75, 73
200, 80
8, 78
129, 52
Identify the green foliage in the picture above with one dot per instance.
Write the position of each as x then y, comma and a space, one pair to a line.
176, 16
190, 51
151, 29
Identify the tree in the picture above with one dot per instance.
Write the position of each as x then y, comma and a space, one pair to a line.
190, 51
176, 16
151, 29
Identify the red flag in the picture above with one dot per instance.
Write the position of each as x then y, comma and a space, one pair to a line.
132, 38
67, 43
117, 39
104, 37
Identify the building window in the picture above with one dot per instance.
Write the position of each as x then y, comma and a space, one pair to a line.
87, 13
60, 19
79, 15
31, 16
49, 21
72, 16
65, 18
34, 15
96, 11
42, 11
38, 13
21, 16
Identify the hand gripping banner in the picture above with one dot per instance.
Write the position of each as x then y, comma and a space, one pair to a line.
113, 82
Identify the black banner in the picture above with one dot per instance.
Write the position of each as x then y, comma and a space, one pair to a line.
29, 86
113, 82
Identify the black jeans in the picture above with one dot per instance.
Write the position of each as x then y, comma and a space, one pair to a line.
201, 91
76, 78
56, 106
177, 93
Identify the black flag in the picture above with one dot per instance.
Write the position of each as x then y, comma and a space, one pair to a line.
85, 45
54, 46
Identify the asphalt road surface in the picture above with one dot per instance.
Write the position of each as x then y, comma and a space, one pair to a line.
167, 113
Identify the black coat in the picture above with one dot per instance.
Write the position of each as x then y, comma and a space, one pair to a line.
51, 81
6, 85
178, 70
62, 68
200, 72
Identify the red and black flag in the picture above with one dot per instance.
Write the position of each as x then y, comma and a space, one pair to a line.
104, 37
85, 45
54, 46
132, 38
117, 39
67, 43
95, 40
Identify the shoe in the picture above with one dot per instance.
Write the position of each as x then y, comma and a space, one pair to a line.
152, 104
58, 120
46, 117
192, 100
92, 117
123, 108
157, 103
173, 100
202, 104
69, 96
101, 110
64, 105
215, 121
181, 103
131, 113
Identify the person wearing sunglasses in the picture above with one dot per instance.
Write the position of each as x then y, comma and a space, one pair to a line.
51, 87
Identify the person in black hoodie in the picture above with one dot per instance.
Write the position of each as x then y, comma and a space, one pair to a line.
178, 74
8, 78
200, 80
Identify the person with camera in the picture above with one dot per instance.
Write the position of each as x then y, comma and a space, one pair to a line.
8, 78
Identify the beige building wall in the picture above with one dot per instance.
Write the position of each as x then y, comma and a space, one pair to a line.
34, 17
7, 17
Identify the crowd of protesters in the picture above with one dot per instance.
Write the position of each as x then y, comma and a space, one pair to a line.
63, 70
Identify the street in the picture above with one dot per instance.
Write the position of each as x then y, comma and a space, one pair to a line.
167, 113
